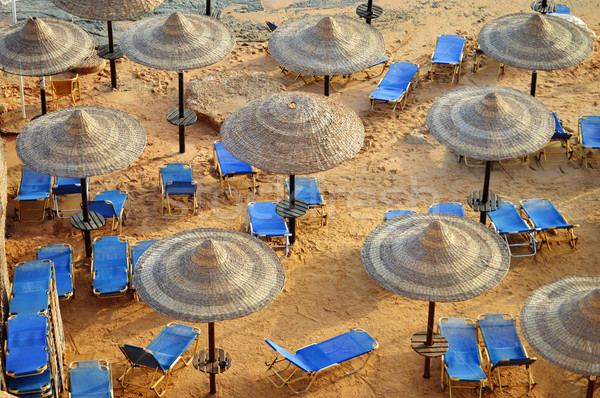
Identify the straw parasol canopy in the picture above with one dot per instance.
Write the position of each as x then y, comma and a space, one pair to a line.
293, 133
435, 257
490, 123
108, 10
535, 42
208, 275
37, 47
81, 141
177, 41
325, 46
561, 321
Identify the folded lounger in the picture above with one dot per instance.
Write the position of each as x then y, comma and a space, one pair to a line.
31, 288
508, 222
176, 180
307, 189
33, 195
61, 256
39, 385
309, 361
111, 205
397, 213
137, 249
159, 357
228, 167
503, 348
462, 361
455, 208
395, 85
110, 266
544, 216
449, 50
589, 139
90, 379
262, 221
27, 345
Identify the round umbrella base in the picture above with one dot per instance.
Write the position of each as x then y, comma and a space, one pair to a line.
222, 361
96, 221
284, 209
492, 203
104, 52
418, 342
189, 117
538, 6
362, 11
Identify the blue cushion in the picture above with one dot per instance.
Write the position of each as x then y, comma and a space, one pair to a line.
89, 379
228, 164
448, 49
501, 338
508, 220
171, 343
307, 189
462, 358
543, 214
30, 384
26, 344
265, 221
448, 208
61, 257
590, 131
117, 198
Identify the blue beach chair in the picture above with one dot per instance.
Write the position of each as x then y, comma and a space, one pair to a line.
395, 85
228, 167
137, 249
262, 221
503, 348
311, 360
31, 288
111, 205
39, 385
159, 357
61, 256
508, 222
561, 9
90, 379
66, 196
397, 213
449, 50
462, 361
561, 138
27, 345
307, 189
455, 208
110, 266
544, 216
33, 195
176, 180
589, 139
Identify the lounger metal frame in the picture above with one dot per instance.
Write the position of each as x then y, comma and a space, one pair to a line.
484, 62
563, 149
532, 241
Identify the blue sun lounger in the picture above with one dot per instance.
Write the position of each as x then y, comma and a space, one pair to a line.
462, 361
110, 266
137, 249
228, 167
507, 221
311, 360
561, 9
27, 345
31, 288
262, 221
307, 189
90, 379
561, 137
159, 357
449, 50
61, 256
503, 348
395, 85
544, 216
455, 208
111, 205
176, 180
39, 385
66, 196
397, 213
589, 139
33, 195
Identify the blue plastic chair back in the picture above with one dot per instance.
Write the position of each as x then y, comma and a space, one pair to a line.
137, 249
508, 220
117, 198
397, 213
501, 338
449, 49
448, 208
66, 185
171, 343
34, 185
265, 221
543, 214
105, 209
462, 358
228, 164
559, 132
307, 189
62, 257
175, 172
590, 131
26, 344
297, 361
90, 379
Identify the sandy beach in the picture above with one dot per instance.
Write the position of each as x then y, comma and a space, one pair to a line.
327, 290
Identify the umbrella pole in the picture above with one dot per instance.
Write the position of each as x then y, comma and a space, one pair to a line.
590, 389
327, 86
86, 217
486, 190
212, 356
111, 49
43, 94
292, 206
181, 112
533, 82
369, 10
208, 8
429, 341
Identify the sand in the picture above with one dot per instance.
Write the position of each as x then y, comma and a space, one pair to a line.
327, 290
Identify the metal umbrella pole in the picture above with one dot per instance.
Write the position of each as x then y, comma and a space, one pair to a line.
111, 49
326, 86
429, 340
86, 217
533, 83
486, 190
43, 94
181, 113
208, 8
212, 355
369, 11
